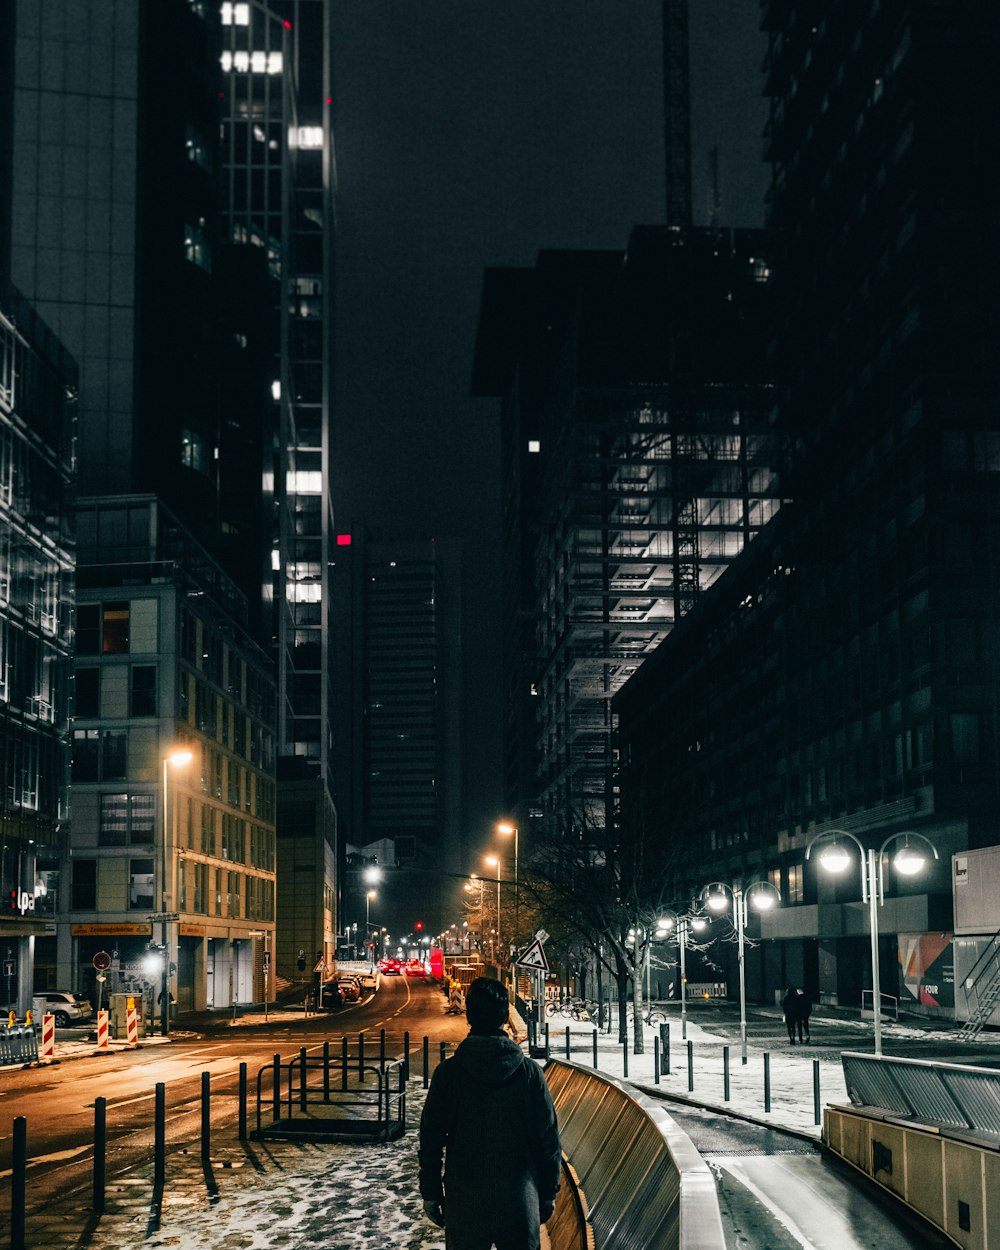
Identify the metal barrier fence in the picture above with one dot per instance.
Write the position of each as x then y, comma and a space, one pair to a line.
950, 1094
644, 1182
18, 1044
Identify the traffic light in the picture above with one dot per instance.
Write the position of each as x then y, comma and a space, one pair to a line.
419, 926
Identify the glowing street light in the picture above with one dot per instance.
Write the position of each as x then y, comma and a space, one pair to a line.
908, 860
180, 757
762, 895
681, 925
507, 829
495, 860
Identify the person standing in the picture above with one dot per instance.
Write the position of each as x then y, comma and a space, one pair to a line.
490, 1120
797, 1009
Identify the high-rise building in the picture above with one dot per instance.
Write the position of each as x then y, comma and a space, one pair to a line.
169, 210
401, 744
37, 402
637, 466
845, 675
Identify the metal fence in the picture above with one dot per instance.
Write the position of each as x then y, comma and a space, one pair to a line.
18, 1044
955, 1095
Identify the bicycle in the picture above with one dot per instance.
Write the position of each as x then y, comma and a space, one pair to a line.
653, 1016
577, 1008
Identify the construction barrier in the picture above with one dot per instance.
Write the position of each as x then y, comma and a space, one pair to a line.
132, 1027
18, 1044
102, 1030
48, 1046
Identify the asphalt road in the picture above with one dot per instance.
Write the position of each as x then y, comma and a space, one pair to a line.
58, 1101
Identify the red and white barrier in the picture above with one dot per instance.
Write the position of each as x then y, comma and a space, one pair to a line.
47, 1047
132, 1026
102, 1030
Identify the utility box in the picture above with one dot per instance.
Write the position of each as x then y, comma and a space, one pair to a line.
975, 881
118, 1008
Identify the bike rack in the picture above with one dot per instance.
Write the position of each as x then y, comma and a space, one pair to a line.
343, 1104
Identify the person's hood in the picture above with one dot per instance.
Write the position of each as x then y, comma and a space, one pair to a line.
490, 1060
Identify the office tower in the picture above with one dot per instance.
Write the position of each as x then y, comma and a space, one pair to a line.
401, 743
278, 156
169, 211
637, 465
37, 403
844, 677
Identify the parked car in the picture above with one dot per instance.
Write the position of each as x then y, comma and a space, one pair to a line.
415, 968
330, 996
391, 967
350, 990
368, 982
68, 1008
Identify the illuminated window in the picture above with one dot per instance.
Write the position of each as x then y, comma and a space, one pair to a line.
304, 482
534, 446
306, 137
193, 451
140, 884
235, 14
195, 147
252, 62
305, 592
196, 248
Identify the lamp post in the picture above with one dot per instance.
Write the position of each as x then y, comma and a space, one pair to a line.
177, 758
491, 860
507, 829
682, 925
475, 883
369, 895
763, 895
908, 860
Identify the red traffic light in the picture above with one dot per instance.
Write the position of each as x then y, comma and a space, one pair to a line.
419, 925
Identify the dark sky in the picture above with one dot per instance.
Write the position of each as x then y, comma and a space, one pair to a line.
472, 133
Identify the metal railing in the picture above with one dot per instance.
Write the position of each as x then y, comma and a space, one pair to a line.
890, 1004
18, 1044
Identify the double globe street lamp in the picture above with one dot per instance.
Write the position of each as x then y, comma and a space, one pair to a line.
908, 860
681, 926
762, 896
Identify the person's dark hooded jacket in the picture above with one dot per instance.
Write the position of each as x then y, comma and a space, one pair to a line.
490, 1113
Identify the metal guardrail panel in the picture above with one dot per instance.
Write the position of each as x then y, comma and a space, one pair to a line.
646, 1186
951, 1094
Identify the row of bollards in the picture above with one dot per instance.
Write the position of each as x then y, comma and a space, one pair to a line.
661, 1065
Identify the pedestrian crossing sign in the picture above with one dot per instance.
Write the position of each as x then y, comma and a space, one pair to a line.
534, 957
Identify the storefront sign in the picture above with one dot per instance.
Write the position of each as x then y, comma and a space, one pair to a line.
99, 930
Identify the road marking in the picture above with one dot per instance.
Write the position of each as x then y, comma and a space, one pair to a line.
60, 1156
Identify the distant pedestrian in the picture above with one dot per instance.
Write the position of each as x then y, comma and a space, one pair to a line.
489, 1114
797, 1009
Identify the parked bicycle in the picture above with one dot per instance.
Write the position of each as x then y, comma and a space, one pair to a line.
572, 1008
653, 1016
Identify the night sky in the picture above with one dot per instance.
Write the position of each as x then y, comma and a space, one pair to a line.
470, 134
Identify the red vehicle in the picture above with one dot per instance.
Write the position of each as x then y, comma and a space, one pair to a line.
390, 967
415, 968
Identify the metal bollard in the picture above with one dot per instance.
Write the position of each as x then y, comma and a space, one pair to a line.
690, 1066
159, 1136
243, 1103
817, 1112
18, 1172
276, 1088
206, 1118
381, 1049
656, 1061
595, 1048
767, 1083
343, 1062
100, 1153
406, 1055
567, 1041
725, 1074
427, 1058
361, 1056
326, 1070
302, 1078
665, 1040
625, 1059
547, 1052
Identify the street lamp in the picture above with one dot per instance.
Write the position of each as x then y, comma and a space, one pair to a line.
177, 758
908, 860
507, 829
762, 895
682, 925
491, 860
369, 895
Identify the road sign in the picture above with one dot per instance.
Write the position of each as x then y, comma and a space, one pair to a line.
102, 961
320, 966
161, 917
534, 957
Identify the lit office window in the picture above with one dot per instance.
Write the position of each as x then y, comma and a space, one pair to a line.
196, 248
195, 147
193, 451
235, 14
304, 482
534, 446
306, 137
